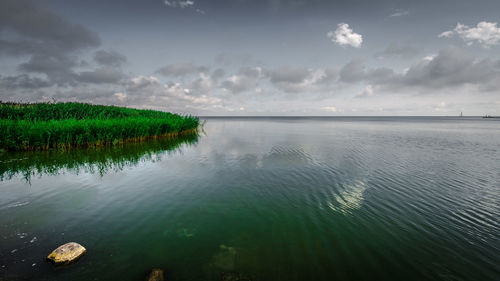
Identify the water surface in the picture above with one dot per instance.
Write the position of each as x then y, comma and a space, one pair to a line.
271, 198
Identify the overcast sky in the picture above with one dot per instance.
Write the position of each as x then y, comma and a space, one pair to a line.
243, 57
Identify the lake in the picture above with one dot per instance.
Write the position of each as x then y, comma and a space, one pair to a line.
359, 198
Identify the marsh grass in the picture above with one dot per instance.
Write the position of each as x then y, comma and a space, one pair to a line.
42, 126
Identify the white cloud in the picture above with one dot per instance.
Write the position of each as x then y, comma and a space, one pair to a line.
120, 96
182, 4
447, 34
344, 35
187, 3
399, 13
429, 57
486, 34
149, 91
367, 92
442, 106
329, 108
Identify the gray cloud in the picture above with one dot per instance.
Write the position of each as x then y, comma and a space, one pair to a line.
218, 73
181, 69
101, 75
228, 59
331, 75
149, 91
202, 85
143, 84
49, 40
292, 79
82, 93
354, 71
22, 81
380, 75
40, 30
397, 51
247, 78
57, 68
289, 74
19, 47
450, 68
109, 58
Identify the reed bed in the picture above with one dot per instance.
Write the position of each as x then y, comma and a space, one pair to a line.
42, 126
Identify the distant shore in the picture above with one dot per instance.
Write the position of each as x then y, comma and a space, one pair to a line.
41, 126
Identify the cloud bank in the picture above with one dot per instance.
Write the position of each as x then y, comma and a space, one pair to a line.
48, 56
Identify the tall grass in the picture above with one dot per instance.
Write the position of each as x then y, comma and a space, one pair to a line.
64, 125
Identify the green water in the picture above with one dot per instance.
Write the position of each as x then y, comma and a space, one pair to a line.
270, 198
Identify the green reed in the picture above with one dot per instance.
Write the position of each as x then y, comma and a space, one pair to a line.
64, 125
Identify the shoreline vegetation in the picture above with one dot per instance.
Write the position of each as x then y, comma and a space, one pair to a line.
44, 126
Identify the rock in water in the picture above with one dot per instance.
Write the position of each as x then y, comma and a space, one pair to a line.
156, 275
67, 253
234, 276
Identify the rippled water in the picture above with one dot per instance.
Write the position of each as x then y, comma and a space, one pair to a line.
270, 198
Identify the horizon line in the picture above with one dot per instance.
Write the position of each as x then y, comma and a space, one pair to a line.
337, 116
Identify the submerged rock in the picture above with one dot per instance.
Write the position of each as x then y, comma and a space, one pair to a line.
156, 275
225, 259
234, 276
66, 254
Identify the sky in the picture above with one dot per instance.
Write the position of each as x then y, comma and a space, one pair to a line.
256, 58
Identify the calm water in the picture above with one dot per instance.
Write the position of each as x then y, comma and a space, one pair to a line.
271, 198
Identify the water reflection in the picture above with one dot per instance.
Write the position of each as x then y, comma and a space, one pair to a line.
98, 160
349, 199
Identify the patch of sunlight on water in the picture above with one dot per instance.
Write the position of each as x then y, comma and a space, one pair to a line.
350, 199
